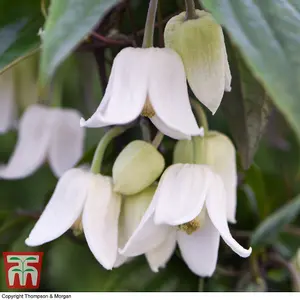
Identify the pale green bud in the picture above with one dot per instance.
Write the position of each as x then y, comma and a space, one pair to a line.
132, 211
200, 43
137, 167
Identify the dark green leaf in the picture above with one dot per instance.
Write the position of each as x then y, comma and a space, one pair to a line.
68, 23
19, 25
16, 270
269, 229
267, 33
15, 258
29, 270
31, 258
246, 108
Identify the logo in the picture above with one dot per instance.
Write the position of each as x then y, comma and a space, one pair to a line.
23, 269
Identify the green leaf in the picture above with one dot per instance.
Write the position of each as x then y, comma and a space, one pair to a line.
15, 258
29, 270
246, 108
31, 258
16, 270
268, 230
69, 21
19, 26
267, 33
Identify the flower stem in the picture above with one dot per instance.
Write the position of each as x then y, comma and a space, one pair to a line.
149, 26
190, 10
158, 139
200, 114
104, 142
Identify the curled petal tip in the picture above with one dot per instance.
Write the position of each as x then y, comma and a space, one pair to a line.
245, 253
82, 122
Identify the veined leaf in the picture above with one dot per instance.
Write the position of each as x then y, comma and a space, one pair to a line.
246, 108
269, 229
268, 34
19, 25
69, 21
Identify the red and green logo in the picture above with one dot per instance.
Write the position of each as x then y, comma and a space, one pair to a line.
23, 269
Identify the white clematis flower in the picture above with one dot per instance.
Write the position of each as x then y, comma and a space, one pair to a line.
200, 44
45, 132
133, 209
150, 82
87, 198
7, 102
216, 150
190, 205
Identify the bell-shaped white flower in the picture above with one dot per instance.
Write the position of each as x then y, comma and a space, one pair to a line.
190, 205
7, 102
133, 209
200, 43
216, 150
45, 132
82, 195
150, 82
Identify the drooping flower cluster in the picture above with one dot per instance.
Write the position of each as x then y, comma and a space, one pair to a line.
129, 213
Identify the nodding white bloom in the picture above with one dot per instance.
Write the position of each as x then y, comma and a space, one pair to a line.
216, 150
200, 43
133, 209
87, 201
150, 82
7, 102
190, 205
45, 132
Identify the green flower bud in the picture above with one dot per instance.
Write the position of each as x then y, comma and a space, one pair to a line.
200, 43
132, 211
137, 167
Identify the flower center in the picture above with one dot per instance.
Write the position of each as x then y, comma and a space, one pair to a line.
148, 110
195, 224
190, 226
77, 227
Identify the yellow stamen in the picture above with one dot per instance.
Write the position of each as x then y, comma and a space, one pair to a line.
148, 110
77, 227
190, 226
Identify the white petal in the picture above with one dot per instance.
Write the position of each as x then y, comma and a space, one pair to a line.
63, 209
221, 156
158, 257
216, 209
35, 132
173, 133
121, 260
7, 101
126, 92
200, 249
181, 193
147, 236
168, 92
67, 141
227, 71
100, 220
